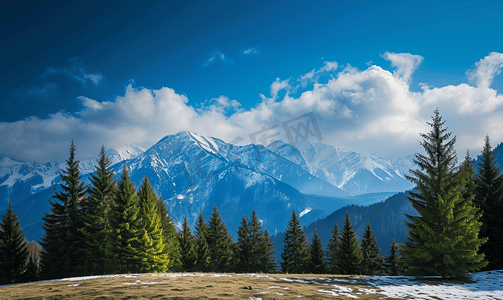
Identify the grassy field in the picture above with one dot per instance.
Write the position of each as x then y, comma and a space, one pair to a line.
194, 286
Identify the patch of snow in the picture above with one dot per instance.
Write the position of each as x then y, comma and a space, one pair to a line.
305, 211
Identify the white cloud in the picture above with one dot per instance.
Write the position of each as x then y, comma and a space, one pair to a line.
250, 50
314, 75
217, 55
486, 69
405, 63
94, 77
370, 110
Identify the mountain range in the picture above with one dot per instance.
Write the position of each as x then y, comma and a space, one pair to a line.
193, 173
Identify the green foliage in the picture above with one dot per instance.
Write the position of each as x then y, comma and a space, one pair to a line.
332, 246
316, 261
170, 236
392, 262
489, 198
219, 243
443, 239
123, 239
295, 253
254, 251
13, 251
187, 247
63, 254
348, 254
243, 247
94, 210
202, 247
372, 261
153, 248
270, 264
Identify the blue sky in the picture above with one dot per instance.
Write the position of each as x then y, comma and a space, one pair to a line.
116, 73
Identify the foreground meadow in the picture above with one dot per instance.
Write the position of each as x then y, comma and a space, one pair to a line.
483, 285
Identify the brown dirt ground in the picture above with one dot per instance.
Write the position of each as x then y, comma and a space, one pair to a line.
176, 286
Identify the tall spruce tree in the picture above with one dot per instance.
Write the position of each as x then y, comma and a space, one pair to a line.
332, 246
13, 251
202, 247
170, 236
243, 247
152, 243
63, 253
372, 261
123, 239
295, 253
443, 239
220, 243
316, 260
270, 263
187, 247
392, 262
489, 198
348, 255
95, 209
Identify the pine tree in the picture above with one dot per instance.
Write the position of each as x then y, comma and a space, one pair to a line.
170, 236
95, 209
443, 238
295, 254
31, 271
187, 247
202, 247
332, 246
489, 198
372, 261
123, 239
152, 243
13, 251
243, 247
392, 262
270, 264
348, 255
316, 261
64, 252
219, 243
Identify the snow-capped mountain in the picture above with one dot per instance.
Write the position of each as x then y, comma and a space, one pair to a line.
192, 173
350, 171
19, 179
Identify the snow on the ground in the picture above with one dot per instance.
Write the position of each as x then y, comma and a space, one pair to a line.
486, 285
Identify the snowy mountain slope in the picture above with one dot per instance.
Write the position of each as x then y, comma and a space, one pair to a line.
19, 179
192, 173
350, 171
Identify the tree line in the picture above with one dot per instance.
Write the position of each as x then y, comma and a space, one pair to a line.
110, 227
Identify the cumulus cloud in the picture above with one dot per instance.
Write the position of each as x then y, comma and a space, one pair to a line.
486, 69
405, 63
314, 75
370, 110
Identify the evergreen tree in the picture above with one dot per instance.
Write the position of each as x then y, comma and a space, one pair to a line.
295, 254
187, 248
270, 264
489, 198
202, 247
63, 252
348, 255
13, 251
152, 242
31, 271
392, 261
170, 236
243, 247
95, 209
332, 250
443, 238
123, 239
316, 260
219, 243
372, 261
